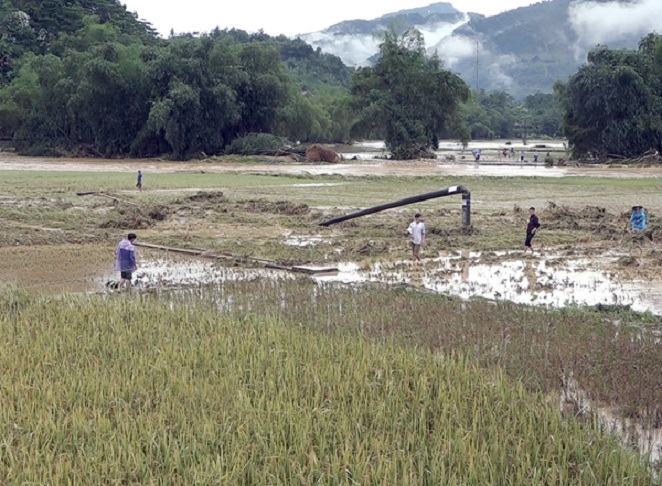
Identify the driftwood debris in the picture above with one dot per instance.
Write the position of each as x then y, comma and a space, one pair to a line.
260, 262
649, 157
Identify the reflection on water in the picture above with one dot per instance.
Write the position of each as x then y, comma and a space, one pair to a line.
551, 281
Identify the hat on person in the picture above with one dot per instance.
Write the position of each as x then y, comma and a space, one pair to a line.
131, 236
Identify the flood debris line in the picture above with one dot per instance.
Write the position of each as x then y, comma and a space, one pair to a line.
246, 260
449, 191
596, 220
135, 217
108, 196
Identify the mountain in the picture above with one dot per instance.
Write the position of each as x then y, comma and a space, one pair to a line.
522, 51
355, 42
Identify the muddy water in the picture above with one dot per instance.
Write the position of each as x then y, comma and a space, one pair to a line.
631, 433
552, 281
357, 168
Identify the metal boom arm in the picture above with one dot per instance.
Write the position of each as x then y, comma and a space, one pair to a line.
449, 191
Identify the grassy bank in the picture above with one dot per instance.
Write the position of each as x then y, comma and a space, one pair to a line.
287, 383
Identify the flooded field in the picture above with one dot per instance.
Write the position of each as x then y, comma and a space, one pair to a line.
244, 219
554, 280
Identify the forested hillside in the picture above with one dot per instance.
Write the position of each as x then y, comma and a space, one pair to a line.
86, 77
46, 26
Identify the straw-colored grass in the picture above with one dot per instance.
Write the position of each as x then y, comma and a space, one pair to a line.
200, 390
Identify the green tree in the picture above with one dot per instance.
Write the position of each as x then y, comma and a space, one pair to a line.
407, 96
545, 114
195, 107
613, 104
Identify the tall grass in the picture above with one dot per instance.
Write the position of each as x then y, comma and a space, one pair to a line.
240, 387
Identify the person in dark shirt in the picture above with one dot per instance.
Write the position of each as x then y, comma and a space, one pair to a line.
531, 229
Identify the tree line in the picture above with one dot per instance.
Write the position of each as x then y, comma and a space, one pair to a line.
84, 76
613, 104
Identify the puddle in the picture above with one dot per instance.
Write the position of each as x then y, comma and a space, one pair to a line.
553, 281
304, 241
648, 441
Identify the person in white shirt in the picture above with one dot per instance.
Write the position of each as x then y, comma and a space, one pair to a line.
417, 232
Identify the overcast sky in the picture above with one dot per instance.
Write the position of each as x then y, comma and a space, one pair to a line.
289, 17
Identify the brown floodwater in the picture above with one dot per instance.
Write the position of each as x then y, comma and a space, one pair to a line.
350, 168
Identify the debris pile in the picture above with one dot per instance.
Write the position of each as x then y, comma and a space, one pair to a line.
131, 217
317, 153
278, 207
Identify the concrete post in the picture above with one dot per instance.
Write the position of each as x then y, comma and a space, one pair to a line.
466, 209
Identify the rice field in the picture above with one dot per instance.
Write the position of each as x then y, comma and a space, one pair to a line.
290, 381
203, 387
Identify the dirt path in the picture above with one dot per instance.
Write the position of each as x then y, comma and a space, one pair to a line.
374, 168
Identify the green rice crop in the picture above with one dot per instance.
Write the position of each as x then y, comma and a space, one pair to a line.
231, 388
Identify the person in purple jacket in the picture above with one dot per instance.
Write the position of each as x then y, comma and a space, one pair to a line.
125, 261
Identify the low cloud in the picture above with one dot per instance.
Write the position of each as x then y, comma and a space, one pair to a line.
601, 23
456, 48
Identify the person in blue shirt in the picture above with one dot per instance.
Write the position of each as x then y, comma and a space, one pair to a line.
139, 185
638, 219
125, 261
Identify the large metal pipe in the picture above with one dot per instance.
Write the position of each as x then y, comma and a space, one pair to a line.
449, 191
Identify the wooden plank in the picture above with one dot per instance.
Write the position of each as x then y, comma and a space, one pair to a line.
169, 249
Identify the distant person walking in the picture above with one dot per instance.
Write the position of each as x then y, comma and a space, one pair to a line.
125, 261
535, 156
531, 229
139, 184
521, 156
416, 231
638, 219
512, 153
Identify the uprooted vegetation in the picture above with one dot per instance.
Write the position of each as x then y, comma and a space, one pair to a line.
214, 199
274, 207
596, 220
134, 217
